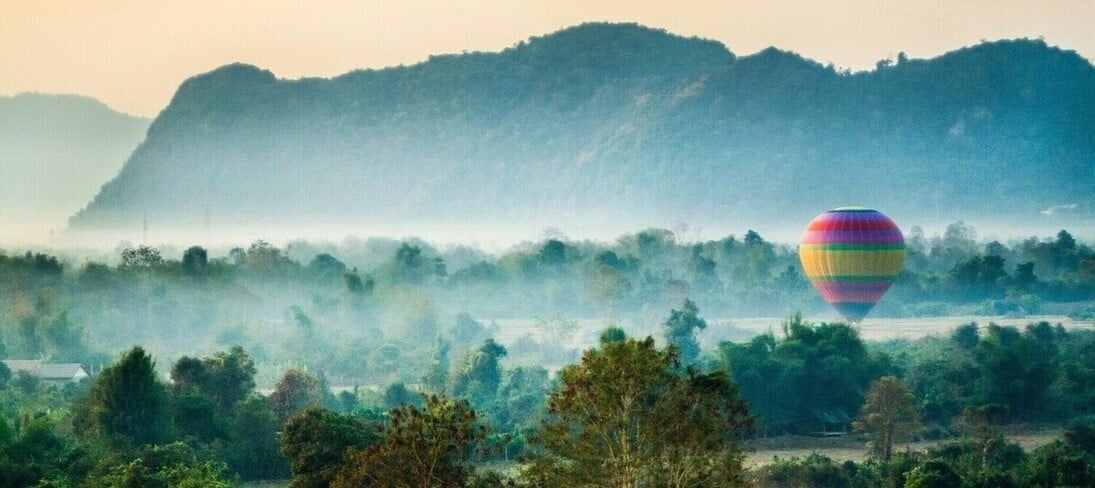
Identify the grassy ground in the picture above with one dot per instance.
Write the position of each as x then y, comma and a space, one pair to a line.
266, 484
762, 451
743, 329
854, 448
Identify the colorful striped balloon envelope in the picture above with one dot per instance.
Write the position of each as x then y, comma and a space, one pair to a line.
852, 255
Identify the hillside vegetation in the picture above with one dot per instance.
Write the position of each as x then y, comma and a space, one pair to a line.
616, 127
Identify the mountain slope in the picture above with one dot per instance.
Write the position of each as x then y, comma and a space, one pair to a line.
612, 127
56, 151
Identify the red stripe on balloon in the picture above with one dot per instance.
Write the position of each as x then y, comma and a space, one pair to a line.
884, 236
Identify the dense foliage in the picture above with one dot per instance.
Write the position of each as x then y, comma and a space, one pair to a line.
815, 377
631, 415
626, 411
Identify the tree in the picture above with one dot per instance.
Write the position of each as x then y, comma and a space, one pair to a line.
627, 415
612, 334
266, 261
520, 399
608, 286
42, 329
1069, 461
231, 377
424, 447
295, 392
480, 373
128, 402
701, 271
316, 442
226, 378
966, 336
397, 394
552, 254
253, 450
325, 270
680, 330
1059, 464
814, 368
980, 276
437, 374
1024, 277
933, 473
37, 453
356, 286
195, 260
815, 470
410, 266
888, 415
172, 465
143, 257
196, 416
1016, 369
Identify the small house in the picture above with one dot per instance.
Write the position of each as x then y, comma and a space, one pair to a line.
54, 373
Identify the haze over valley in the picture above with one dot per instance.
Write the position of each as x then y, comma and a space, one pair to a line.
56, 152
576, 261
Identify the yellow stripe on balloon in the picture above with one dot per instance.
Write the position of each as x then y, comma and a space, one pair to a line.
825, 263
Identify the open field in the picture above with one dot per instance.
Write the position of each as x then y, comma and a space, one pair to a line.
587, 331
880, 329
853, 447
845, 448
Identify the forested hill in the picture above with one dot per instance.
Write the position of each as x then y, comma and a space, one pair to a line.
618, 127
55, 153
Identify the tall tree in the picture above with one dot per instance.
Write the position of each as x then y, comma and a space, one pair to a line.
437, 374
231, 377
143, 257
295, 392
480, 373
253, 451
128, 402
426, 447
888, 415
680, 330
627, 415
195, 259
316, 442
226, 378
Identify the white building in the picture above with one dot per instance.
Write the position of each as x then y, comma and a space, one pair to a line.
56, 373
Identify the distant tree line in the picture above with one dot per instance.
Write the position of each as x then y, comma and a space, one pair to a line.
409, 291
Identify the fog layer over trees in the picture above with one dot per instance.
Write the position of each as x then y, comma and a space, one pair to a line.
368, 309
555, 363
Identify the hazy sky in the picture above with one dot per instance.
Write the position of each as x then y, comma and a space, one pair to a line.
133, 54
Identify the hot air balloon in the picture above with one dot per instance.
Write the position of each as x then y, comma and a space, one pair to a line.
852, 255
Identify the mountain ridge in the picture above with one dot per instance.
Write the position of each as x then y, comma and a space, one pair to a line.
614, 125
56, 150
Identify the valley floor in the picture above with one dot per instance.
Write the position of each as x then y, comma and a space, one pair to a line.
853, 447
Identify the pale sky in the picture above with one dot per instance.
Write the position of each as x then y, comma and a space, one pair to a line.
134, 54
